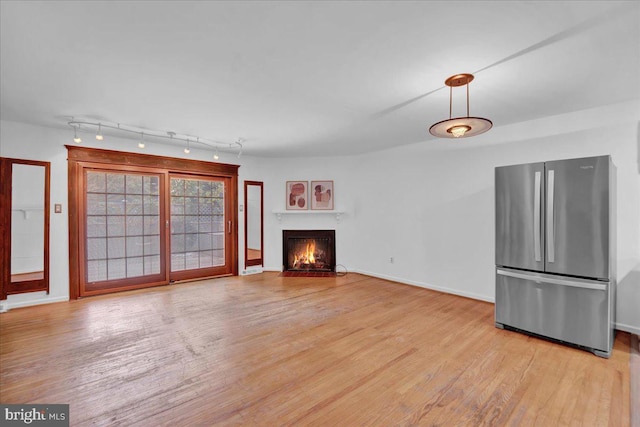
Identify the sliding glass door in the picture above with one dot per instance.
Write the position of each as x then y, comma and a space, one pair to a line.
122, 235
138, 221
199, 226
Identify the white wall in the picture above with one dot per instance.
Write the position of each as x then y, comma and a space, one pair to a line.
432, 210
275, 172
19, 140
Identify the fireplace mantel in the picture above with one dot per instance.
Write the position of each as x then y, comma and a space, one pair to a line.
279, 214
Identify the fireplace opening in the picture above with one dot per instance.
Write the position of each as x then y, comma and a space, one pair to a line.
309, 250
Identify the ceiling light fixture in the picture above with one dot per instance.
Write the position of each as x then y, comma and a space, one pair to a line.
215, 155
76, 138
99, 136
187, 150
460, 127
140, 133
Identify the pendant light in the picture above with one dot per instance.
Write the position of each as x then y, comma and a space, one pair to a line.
460, 127
141, 142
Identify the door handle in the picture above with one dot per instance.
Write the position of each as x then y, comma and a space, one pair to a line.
536, 216
554, 280
551, 252
229, 227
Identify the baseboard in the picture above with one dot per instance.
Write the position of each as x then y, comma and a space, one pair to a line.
619, 326
634, 372
427, 286
627, 328
7, 305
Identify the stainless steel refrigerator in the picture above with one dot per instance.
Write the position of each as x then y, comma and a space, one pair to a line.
555, 251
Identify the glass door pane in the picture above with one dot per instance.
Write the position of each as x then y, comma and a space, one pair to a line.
122, 229
198, 227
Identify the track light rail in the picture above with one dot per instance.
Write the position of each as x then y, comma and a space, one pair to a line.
188, 139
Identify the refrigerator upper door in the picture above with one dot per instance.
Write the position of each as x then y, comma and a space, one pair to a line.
577, 217
519, 209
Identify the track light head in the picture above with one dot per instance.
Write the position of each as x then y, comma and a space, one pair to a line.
99, 136
76, 138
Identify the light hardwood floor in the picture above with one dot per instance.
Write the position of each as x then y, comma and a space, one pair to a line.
270, 351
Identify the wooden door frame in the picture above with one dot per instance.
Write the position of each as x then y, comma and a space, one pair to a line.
216, 271
127, 283
6, 174
247, 262
79, 156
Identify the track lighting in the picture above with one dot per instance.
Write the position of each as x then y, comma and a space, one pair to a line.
80, 125
99, 136
76, 138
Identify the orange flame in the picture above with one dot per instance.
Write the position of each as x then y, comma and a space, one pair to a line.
311, 248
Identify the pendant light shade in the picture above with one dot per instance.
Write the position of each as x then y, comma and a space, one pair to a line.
460, 127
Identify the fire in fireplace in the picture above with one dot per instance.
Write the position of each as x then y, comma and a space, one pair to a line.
309, 250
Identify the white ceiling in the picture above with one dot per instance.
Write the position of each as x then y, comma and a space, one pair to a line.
312, 78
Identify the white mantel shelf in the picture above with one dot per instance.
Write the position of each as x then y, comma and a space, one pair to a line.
279, 214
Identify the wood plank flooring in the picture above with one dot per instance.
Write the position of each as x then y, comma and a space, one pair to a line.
268, 350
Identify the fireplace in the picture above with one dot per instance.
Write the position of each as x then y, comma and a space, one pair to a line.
309, 250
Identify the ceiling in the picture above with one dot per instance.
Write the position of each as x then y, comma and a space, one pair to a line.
312, 78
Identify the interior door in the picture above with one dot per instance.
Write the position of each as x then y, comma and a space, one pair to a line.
201, 227
519, 208
578, 217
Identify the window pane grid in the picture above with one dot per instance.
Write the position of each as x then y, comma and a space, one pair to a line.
197, 224
122, 225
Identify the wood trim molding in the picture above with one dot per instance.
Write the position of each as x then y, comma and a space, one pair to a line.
7, 287
247, 262
5, 226
172, 164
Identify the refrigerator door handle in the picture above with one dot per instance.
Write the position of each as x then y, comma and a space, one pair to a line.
553, 280
536, 215
551, 253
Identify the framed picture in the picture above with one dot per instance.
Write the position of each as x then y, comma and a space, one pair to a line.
297, 195
322, 195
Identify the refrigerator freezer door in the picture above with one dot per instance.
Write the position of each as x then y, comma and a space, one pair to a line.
572, 310
519, 208
577, 222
